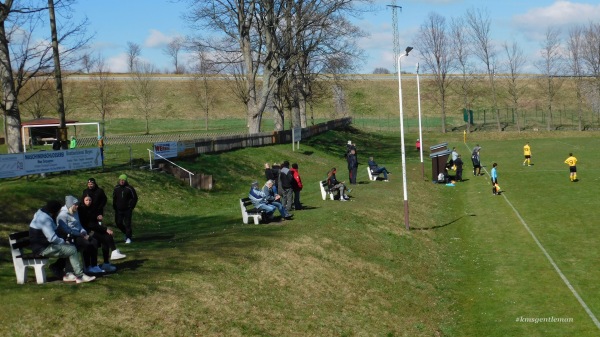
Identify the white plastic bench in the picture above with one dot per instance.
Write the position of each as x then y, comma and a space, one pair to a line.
372, 176
253, 213
325, 190
21, 261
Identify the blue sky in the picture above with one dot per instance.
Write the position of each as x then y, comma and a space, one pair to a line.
153, 23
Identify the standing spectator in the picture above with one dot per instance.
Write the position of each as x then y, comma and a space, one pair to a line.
527, 153
124, 201
45, 242
352, 166
572, 162
458, 163
375, 169
334, 184
101, 147
285, 186
296, 186
56, 145
70, 226
454, 156
98, 196
73, 143
494, 176
418, 144
349, 147
476, 160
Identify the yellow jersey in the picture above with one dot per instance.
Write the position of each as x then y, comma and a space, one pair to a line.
526, 150
571, 161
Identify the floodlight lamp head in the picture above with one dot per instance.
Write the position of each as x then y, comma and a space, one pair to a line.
408, 49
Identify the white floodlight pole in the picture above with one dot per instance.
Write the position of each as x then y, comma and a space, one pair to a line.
420, 128
406, 222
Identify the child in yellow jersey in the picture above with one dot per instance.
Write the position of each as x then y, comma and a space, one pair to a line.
527, 153
572, 162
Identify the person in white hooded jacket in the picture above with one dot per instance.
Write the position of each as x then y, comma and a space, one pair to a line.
70, 228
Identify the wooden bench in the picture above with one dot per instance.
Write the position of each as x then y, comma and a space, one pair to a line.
21, 260
248, 211
372, 176
325, 190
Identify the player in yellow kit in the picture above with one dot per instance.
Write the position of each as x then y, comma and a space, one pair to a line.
572, 162
527, 153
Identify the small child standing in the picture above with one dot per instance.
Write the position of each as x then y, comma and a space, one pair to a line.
494, 175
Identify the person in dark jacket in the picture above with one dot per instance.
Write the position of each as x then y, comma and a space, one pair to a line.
92, 223
98, 197
376, 169
285, 186
352, 166
46, 242
124, 201
334, 184
459, 168
272, 173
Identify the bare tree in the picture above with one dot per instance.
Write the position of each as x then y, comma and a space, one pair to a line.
103, 91
437, 50
484, 49
461, 43
133, 54
551, 66
40, 96
144, 89
591, 60
88, 62
201, 86
173, 49
60, 98
515, 62
284, 41
575, 48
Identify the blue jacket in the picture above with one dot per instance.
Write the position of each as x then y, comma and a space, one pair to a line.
42, 232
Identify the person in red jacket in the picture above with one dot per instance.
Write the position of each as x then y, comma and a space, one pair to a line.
296, 186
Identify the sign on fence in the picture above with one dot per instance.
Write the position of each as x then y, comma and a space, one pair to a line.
174, 149
20, 164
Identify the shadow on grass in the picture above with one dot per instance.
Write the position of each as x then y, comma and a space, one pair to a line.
439, 226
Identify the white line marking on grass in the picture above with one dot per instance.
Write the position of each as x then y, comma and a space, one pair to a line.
556, 268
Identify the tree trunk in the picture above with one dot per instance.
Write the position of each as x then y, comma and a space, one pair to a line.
10, 104
60, 99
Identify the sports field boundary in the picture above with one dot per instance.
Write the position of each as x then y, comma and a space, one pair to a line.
547, 255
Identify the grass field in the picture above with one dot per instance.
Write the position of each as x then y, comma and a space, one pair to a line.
473, 264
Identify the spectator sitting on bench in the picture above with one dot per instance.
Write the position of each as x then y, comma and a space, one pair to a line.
45, 241
334, 184
375, 169
70, 226
267, 201
91, 222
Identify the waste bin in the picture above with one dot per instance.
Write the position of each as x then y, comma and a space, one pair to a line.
438, 148
438, 163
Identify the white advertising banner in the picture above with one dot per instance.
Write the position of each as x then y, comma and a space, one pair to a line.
11, 165
20, 164
165, 150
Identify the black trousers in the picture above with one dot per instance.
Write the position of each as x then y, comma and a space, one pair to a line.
123, 221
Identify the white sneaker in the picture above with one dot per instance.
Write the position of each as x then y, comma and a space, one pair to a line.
69, 278
128, 241
85, 278
343, 199
116, 255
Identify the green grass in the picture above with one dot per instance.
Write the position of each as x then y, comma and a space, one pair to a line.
468, 267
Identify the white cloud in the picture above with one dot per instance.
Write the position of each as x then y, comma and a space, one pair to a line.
157, 39
118, 63
559, 14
